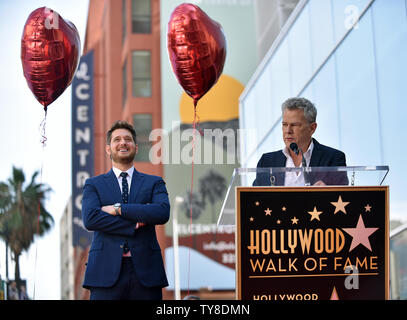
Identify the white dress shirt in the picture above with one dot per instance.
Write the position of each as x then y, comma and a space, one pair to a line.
117, 173
296, 179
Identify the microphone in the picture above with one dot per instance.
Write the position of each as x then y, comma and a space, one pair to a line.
294, 147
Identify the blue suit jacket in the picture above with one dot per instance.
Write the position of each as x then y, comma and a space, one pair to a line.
322, 156
148, 203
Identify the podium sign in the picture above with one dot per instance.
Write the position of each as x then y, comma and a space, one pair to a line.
312, 243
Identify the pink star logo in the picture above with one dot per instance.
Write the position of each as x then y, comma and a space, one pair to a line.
360, 234
334, 295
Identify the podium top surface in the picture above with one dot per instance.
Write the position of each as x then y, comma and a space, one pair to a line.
383, 169
298, 176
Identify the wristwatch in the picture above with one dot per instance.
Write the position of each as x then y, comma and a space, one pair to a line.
116, 207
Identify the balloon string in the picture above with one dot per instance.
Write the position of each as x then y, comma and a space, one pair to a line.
42, 131
198, 124
190, 195
43, 141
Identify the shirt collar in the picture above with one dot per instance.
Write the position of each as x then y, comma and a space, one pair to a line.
118, 171
307, 154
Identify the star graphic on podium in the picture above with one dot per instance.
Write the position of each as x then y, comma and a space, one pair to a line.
368, 208
315, 214
360, 234
334, 295
340, 205
294, 220
268, 212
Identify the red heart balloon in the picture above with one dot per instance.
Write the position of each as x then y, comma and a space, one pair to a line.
197, 49
50, 49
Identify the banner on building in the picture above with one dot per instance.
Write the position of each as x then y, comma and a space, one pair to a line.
82, 144
319, 243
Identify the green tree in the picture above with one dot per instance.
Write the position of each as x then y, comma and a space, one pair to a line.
22, 214
212, 187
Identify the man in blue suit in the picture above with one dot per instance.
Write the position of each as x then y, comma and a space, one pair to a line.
299, 124
123, 207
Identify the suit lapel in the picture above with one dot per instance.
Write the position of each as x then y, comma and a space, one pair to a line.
280, 161
136, 182
316, 155
113, 185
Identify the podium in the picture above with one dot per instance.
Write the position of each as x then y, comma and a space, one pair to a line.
325, 241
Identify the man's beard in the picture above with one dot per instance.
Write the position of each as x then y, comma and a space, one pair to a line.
123, 160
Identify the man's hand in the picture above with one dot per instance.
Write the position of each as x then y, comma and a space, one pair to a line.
109, 209
319, 183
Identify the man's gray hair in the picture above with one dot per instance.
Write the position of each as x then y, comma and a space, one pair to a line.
310, 112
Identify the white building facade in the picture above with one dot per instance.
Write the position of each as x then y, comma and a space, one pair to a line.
349, 58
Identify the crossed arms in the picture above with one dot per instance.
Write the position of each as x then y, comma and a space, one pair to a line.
98, 217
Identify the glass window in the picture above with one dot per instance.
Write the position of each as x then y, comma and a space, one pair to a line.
253, 160
141, 16
322, 92
266, 97
357, 98
322, 31
143, 125
280, 82
252, 123
262, 96
390, 33
345, 14
141, 73
124, 74
299, 45
273, 142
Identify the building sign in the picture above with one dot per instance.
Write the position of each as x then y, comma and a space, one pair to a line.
318, 243
82, 144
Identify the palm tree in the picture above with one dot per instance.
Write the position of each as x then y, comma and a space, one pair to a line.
212, 187
4, 223
196, 203
193, 207
22, 214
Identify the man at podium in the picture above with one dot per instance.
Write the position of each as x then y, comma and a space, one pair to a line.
301, 150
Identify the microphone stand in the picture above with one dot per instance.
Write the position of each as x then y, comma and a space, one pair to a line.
304, 169
294, 147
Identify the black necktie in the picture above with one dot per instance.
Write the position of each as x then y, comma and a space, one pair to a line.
125, 187
125, 198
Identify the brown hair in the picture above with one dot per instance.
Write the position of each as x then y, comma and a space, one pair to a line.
119, 124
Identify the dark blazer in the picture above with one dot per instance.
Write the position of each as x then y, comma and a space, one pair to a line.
148, 203
322, 156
